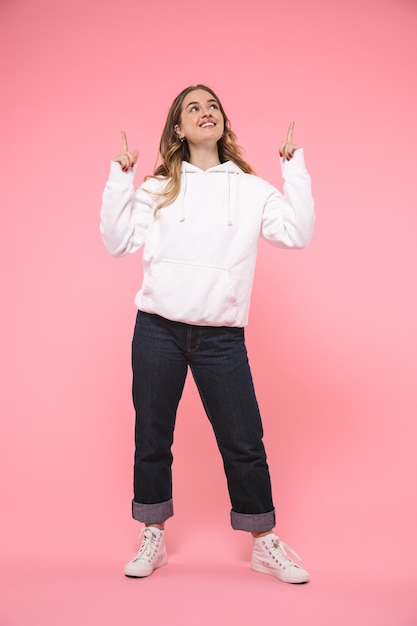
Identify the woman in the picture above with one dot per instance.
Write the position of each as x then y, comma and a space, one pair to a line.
199, 218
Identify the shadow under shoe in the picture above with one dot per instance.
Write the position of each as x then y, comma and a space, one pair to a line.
151, 554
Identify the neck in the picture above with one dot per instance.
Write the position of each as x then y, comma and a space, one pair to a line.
203, 157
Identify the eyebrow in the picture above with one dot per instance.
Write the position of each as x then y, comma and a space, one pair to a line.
209, 100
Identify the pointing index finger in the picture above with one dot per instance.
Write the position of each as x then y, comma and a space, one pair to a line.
290, 133
124, 142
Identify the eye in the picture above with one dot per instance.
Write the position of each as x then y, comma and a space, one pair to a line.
214, 106
193, 108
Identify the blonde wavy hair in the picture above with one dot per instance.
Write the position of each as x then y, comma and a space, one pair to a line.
173, 151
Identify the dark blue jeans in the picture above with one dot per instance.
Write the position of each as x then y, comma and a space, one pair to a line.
162, 351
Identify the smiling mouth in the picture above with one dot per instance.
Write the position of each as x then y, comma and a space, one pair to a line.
207, 125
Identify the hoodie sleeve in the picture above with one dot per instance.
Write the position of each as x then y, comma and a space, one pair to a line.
125, 214
288, 219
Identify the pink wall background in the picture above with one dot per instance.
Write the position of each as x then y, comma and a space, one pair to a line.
332, 335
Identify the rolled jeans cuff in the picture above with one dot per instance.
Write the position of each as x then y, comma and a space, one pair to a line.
152, 513
254, 523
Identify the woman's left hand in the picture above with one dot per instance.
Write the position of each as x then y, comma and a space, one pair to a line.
287, 148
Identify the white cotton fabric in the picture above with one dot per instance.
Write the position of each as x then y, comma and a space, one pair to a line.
199, 252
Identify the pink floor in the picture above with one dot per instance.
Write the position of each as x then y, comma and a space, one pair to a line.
207, 581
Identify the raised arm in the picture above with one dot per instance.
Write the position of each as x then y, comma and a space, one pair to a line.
125, 214
289, 218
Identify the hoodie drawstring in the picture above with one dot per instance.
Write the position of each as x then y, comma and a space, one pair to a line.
228, 212
183, 190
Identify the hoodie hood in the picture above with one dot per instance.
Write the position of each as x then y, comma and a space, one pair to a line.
228, 168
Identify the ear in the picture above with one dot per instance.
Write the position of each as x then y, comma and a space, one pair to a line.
177, 129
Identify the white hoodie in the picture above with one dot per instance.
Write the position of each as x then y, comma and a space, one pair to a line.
200, 251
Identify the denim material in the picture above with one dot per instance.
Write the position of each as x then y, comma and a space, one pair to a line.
253, 523
162, 351
152, 513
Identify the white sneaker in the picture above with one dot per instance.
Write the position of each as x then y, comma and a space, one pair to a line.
270, 556
151, 555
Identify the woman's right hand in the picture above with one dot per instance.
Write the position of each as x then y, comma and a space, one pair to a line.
126, 158
288, 147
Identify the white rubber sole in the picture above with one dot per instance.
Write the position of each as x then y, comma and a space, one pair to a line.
303, 576
131, 572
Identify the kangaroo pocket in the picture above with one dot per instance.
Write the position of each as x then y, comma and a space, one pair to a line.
198, 294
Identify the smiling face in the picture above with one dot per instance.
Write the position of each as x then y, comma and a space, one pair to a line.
201, 119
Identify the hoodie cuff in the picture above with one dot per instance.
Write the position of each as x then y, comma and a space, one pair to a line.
296, 163
117, 175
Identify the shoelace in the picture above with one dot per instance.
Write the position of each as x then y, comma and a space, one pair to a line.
282, 548
146, 546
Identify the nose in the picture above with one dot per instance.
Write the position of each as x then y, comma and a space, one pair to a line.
206, 113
